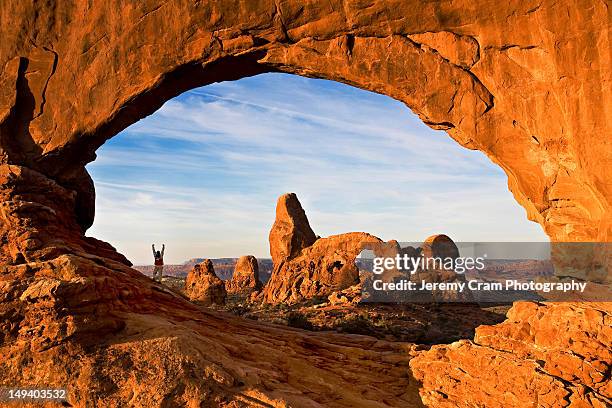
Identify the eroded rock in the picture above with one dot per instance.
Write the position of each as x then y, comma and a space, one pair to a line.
323, 268
305, 271
203, 286
114, 337
291, 231
439, 246
349, 296
74, 74
557, 354
245, 279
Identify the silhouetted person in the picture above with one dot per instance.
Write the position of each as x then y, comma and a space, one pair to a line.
159, 263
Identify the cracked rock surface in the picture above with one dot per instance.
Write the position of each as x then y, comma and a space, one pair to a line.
525, 82
557, 354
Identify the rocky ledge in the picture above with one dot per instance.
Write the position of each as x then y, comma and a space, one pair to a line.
550, 355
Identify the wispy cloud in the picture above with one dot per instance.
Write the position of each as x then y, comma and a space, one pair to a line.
203, 173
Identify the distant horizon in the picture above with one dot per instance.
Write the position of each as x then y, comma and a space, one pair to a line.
202, 174
518, 253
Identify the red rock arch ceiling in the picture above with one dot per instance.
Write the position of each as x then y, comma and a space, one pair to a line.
512, 80
526, 82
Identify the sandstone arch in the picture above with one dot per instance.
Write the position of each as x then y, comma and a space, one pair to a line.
74, 75
526, 82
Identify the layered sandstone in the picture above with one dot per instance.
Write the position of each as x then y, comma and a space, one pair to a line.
557, 354
321, 269
525, 82
204, 286
306, 267
291, 231
116, 338
514, 80
245, 279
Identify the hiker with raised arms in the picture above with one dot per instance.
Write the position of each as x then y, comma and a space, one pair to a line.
159, 263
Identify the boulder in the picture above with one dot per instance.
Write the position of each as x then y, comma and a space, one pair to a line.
203, 286
245, 279
440, 247
349, 296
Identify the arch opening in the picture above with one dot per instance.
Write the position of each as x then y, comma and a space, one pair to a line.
75, 74
203, 173
357, 160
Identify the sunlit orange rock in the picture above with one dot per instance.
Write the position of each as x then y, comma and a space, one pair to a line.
306, 268
204, 286
488, 79
245, 279
557, 354
525, 82
291, 231
323, 268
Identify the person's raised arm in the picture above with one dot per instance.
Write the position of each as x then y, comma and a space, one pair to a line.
153, 247
163, 249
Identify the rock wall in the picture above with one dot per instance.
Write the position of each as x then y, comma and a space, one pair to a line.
525, 82
557, 354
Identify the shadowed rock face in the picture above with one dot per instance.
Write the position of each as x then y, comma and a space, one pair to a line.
246, 276
204, 286
525, 82
440, 246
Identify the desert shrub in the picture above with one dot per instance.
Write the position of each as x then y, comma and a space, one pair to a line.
356, 325
317, 300
238, 309
282, 307
298, 320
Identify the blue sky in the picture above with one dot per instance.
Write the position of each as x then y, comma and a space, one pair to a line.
203, 173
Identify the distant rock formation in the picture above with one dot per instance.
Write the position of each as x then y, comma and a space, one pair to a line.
440, 246
350, 295
291, 231
319, 270
245, 279
224, 268
306, 267
204, 286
